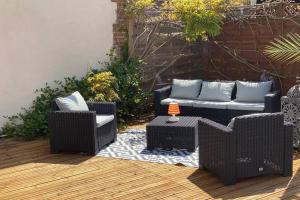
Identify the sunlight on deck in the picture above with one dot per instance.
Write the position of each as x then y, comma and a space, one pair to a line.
28, 171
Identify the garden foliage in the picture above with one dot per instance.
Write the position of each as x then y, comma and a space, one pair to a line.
134, 100
120, 82
285, 49
33, 121
201, 19
104, 86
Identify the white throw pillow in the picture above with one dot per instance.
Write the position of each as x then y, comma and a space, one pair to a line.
74, 102
252, 91
185, 89
216, 91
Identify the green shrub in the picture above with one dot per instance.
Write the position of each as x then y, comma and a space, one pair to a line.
134, 101
103, 86
33, 121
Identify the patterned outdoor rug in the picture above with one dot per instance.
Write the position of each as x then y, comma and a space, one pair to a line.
132, 146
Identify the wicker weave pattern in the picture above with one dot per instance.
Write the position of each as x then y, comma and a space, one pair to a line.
159, 95
180, 135
103, 107
272, 102
288, 149
257, 145
77, 131
216, 150
235, 113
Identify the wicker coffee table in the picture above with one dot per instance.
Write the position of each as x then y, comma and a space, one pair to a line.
180, 135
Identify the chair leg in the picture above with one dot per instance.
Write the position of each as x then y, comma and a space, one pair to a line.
54, 150
228, 180
191, 150
91, 153
150, 148
287, 172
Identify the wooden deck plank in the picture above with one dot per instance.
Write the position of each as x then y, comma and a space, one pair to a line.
53, 174
76, 184
28, 171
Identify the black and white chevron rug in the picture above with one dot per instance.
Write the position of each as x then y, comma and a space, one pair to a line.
132, 146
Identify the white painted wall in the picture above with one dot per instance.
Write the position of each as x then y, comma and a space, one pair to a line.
46, 40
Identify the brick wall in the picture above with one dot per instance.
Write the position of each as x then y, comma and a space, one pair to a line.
120, 27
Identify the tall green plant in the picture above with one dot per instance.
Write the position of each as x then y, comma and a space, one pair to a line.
133, 99
285, 49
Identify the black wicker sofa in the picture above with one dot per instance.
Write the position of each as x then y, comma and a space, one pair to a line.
219, 112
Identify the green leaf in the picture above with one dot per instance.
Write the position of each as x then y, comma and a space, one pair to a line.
285, 49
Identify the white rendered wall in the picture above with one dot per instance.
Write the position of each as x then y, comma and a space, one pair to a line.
46, 40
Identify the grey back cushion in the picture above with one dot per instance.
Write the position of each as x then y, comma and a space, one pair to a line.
74, 102
216, 91
185, 89
252, 91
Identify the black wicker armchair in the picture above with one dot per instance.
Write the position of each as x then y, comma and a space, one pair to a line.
79, 131
256, 145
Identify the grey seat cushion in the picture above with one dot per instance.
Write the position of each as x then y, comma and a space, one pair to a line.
235, 105
252, 91
216, 91
74, 102
185, 89
211, 104
181, 102
103, 119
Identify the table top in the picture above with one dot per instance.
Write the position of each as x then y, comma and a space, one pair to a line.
183, 121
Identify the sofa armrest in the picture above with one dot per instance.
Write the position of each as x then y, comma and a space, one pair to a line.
160, 95
217, 149
272, 102
163, 93
288, 149
214, 127
54, 116
108, 108
63, 120
72, 126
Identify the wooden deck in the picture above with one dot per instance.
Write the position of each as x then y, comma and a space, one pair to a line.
28, 171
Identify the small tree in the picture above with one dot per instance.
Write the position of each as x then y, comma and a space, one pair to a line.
191, 20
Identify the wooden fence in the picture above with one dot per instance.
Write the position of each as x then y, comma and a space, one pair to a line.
236, 54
